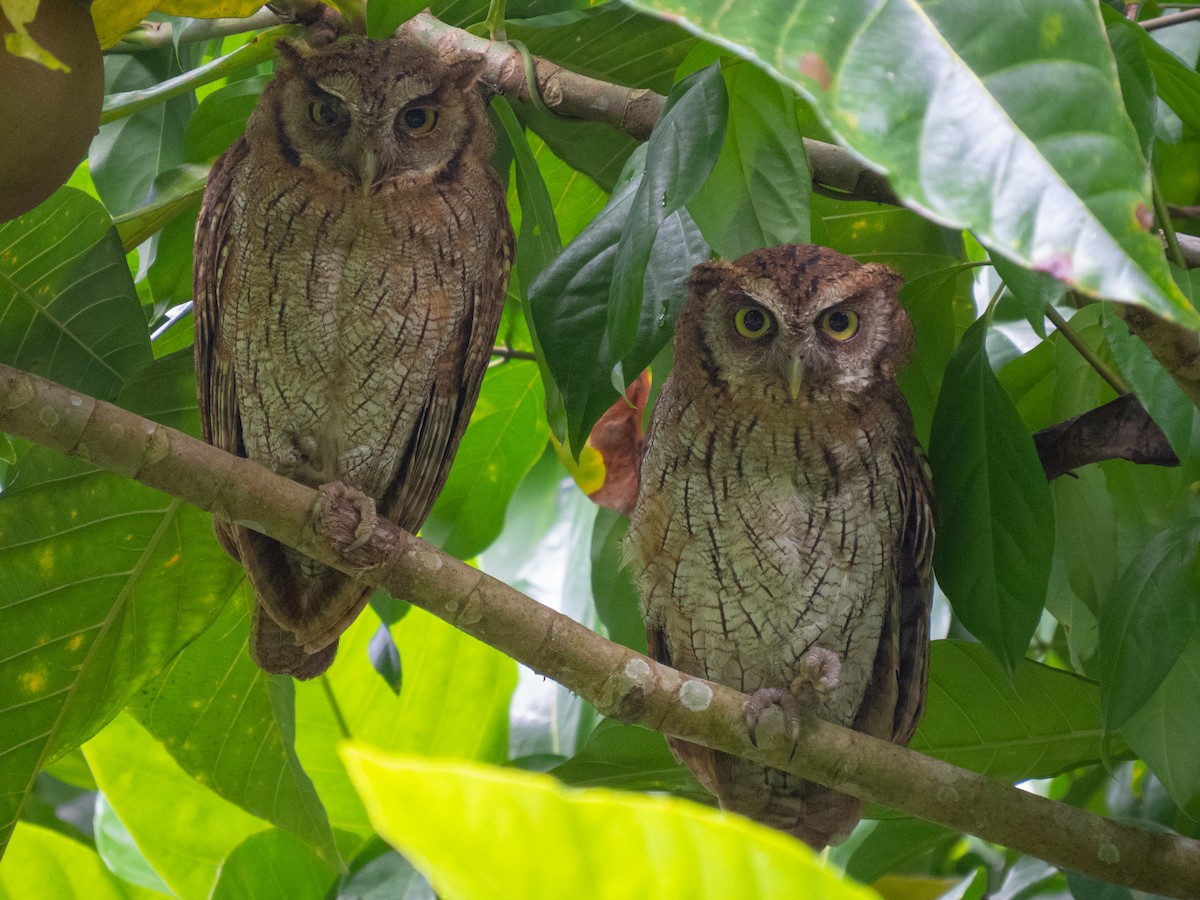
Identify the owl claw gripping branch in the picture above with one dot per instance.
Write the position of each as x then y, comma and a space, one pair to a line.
352, 253
783, 536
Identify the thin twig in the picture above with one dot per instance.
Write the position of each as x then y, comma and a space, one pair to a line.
1115, 381
149, 35
260, 47
1178, 18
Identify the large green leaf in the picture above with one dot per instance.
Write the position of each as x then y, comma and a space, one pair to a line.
680, 154
128, 154
596, 843
183, 829
231, 727
454, 703
68, 308
1165, 733
102, 581
757, 194
1148, 620
506, 436
1036, 724
631, 758
46, 864
273, 864
995, 518
569, 303
1021, 137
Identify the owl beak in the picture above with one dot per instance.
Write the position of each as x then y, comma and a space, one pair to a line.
794, 372
367, 170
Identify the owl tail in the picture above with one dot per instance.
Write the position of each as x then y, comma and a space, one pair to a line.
275, 650
817, 815
303, 605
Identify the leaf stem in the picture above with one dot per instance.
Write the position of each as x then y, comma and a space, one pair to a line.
343, 727
149, 35
1163, 215
1115, 381
260, 47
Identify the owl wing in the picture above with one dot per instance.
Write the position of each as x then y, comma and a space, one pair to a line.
452, 394
916, 589
214, 361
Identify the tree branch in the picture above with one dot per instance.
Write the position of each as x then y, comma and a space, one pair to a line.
620, 683
1120, 429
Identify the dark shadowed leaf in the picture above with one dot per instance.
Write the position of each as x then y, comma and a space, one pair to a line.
272, 863
679, 156
995, 518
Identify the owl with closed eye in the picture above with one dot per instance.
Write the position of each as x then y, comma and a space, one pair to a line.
782, 539
352, 253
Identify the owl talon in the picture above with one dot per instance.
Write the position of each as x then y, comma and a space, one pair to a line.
336, 503
793, 716
820, 674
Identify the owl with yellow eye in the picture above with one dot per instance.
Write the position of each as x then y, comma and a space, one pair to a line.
783, 535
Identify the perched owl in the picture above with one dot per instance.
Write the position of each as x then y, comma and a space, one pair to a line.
783, 535
352, 253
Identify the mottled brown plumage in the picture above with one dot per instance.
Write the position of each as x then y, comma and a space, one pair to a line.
352, 253
783, 535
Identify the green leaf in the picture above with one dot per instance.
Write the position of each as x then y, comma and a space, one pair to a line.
127, 155
996, 522
43, 863
506, 436
538, 242
454, 703
1148, 620
1159, 393
569, 303
118, 849
231, 726
445, 816
272, 864
68, 308
1164, 735
102, 582
630, 758
1033, 291
1021, 137
1032, 722
182, 828
610, 42
612, 588
757, 195
680, 154
385, 16
220, 118
1177, 83
1136, 78
886, 845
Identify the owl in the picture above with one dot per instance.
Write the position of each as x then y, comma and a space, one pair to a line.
783, 535
352, 254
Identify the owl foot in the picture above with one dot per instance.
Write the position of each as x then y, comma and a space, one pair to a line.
335, 516
762, 700
820, 674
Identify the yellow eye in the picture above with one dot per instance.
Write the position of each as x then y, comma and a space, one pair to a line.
419, 119
839, 324
752, 322
322, 113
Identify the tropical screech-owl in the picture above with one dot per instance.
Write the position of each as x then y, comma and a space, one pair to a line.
783, 535
352, 253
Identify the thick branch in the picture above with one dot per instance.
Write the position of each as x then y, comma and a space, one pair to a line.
1120, 429
620, 683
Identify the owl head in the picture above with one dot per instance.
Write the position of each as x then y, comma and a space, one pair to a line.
794, 321
372, 110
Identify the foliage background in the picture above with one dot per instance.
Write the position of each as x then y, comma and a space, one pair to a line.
140, 748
